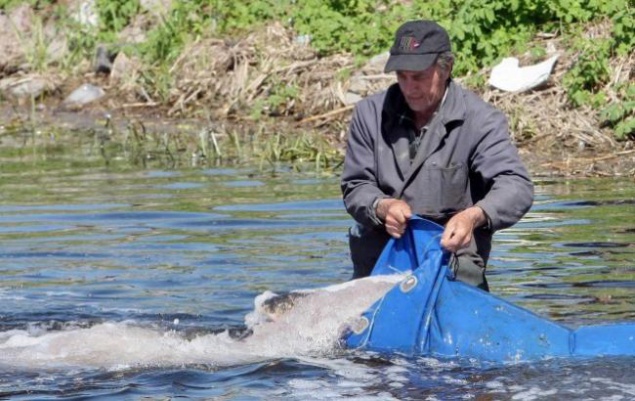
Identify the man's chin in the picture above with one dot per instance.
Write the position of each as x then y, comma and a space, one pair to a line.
418, 107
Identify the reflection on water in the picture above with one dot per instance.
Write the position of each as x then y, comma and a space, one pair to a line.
144, 284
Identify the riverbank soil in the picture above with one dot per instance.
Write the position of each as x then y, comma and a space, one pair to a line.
270, 82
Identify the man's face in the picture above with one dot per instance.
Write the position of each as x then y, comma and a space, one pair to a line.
423, 90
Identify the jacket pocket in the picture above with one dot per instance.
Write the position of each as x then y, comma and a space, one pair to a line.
442, 191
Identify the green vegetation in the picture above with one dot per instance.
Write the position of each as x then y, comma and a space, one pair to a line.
482, 32
136, 145
595, 33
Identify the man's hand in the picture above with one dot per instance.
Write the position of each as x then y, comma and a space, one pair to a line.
395, 214
458, 231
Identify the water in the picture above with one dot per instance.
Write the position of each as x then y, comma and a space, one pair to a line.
142, 285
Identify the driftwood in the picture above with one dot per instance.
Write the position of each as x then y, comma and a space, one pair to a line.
328, 114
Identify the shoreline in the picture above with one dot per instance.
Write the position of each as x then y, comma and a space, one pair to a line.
30, 129
267, 97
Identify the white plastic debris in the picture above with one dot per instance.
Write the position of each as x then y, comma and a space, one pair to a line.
87, 14
508, 76
84, 94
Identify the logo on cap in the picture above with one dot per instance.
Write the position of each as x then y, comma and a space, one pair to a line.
408, 43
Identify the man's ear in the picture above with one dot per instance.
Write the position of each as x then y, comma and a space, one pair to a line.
448, 72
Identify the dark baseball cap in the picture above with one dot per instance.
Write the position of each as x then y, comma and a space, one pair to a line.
417, 45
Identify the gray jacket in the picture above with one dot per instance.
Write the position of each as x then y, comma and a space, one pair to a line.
466, 158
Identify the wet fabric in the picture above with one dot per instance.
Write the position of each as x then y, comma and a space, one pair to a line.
367, 244
431, 313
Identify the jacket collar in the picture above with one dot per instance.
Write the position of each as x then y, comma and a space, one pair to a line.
397, 111
397, 120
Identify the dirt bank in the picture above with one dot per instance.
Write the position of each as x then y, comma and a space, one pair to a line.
270, 82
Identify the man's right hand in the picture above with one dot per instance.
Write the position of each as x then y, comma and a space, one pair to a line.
395, 214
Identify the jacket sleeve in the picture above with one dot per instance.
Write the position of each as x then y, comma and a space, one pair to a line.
508, 192
359, 183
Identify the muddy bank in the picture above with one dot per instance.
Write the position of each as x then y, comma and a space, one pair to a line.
270, 83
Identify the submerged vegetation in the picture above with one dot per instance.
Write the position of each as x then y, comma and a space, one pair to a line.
133, 145
267, 80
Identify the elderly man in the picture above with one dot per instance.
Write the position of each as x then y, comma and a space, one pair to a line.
429, 147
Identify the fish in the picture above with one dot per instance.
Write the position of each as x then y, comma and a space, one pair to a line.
276, 305
328, 309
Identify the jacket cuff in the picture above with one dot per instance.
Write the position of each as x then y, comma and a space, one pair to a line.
372, 212
488, 219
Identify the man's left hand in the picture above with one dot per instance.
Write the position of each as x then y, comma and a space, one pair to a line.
459, 229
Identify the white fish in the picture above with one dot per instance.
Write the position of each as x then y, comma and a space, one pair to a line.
302, 323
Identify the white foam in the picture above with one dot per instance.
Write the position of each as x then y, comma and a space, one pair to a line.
533, 393
312, 327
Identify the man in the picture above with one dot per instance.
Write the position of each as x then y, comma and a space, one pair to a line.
429, 147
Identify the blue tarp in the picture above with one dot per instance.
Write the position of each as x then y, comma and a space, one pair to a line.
429, 313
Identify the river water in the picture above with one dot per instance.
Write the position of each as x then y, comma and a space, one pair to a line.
128, 284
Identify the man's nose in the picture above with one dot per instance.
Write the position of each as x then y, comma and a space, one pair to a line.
408, 87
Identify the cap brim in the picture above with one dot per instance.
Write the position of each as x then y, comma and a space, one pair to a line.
410, 62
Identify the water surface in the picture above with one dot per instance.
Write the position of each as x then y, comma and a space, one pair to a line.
138, 284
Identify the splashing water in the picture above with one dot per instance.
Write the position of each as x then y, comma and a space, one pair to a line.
310, 324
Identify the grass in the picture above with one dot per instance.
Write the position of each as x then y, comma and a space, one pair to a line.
137, 145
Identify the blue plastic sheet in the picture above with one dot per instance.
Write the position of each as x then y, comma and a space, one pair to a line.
429, 313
